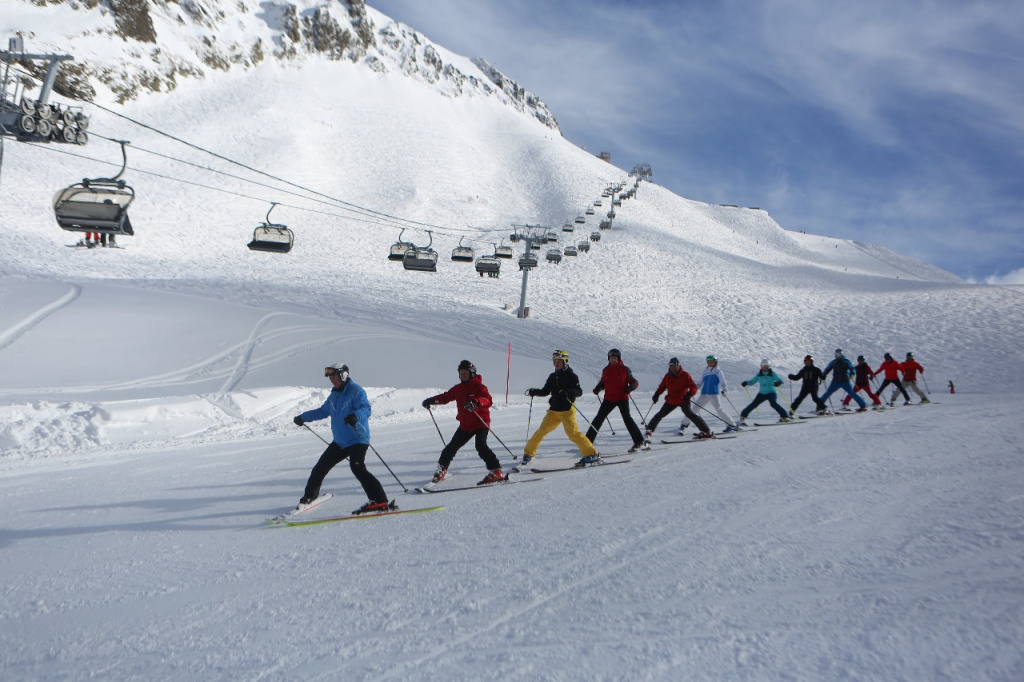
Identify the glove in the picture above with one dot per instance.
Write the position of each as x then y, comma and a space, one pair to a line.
743, 383
428, 402
654, 398
723, 391
778, 383
531, 392
298, 421
629, 389
471, 406
596, 390
351, 419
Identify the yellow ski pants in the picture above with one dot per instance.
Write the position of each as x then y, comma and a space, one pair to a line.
568, 421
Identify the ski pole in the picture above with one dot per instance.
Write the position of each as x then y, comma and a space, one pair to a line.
529, 417
315, 433
443, 441
710, 412
643, 420
608, 418
359, 429
925, 383
490, 431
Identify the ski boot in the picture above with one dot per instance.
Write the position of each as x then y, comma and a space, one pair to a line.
589, 460
495, 476
440, 474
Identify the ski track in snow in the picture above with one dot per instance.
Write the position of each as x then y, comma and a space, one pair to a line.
12, 334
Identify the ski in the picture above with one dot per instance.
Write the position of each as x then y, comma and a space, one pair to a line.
779, 423
478, 486
696, 440
353, 517
280, 518
576, 468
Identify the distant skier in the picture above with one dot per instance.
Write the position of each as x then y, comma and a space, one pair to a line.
564, 388
473, 402
349, 410
617, 382
910, 367
862, 382
811, 376
767, 381
842, 369
890, 369
712, 385
680, 388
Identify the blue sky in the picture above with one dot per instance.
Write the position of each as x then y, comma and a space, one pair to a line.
897, 123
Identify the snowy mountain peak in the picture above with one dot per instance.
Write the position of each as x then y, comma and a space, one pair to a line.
161, 42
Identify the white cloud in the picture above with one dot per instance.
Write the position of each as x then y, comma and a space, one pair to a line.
1015, 277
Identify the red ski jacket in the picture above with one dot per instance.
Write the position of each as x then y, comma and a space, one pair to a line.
891, 369
462, 393
910, 369
617, 381
680, 388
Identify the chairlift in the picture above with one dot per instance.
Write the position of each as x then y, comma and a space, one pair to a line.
421, 258
399, 248
617, 202
571, 251
589, 211
584, 246
554, 255
605, 225
551, 237
97, 204
595, 236
488, 265
611, 214
503, 251
462, 254
597, 203
528, 261
568, 227
272, 237
580, 220
515, 236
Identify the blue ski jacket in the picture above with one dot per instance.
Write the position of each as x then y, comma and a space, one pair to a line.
765, 382
843, 370
713, 381
349, 399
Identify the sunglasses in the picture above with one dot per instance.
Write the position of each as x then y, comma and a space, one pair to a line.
330, 372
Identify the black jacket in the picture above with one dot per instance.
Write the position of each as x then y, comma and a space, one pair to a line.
564, 387
811, 376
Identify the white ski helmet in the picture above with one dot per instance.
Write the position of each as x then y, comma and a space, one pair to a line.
339, 368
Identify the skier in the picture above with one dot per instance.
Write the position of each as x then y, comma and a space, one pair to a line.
564, 388
842, 370
767, 381
474, 416
910, 367
712, 384
680, 389
617, 382
862, 382
349, 410
811, 376
891, 370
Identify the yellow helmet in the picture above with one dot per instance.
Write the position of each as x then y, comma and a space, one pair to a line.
560, 355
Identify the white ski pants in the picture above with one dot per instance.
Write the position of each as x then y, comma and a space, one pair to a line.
716, 404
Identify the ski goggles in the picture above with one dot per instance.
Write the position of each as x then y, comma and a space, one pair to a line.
330, 371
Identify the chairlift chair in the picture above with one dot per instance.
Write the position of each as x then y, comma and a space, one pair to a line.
589, 211
488, 265
568, 227
605, 225
554, 256
272, 237
580, 220
611, 214
597, 203
528, 261
551, 237
421, 258
502, 251
97, 204
462, 254
399, 248
584, 246
595, 236
571, 251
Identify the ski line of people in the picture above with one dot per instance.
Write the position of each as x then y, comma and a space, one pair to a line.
349, 410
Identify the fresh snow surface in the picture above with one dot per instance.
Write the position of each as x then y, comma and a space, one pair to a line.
147, 398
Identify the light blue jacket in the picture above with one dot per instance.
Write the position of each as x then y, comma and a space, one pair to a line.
765, 382
341, 403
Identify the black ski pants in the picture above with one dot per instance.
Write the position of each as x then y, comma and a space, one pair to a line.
602, 413
462, 437
356, 455
687, 410
808, 391
897, 384
772, 399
